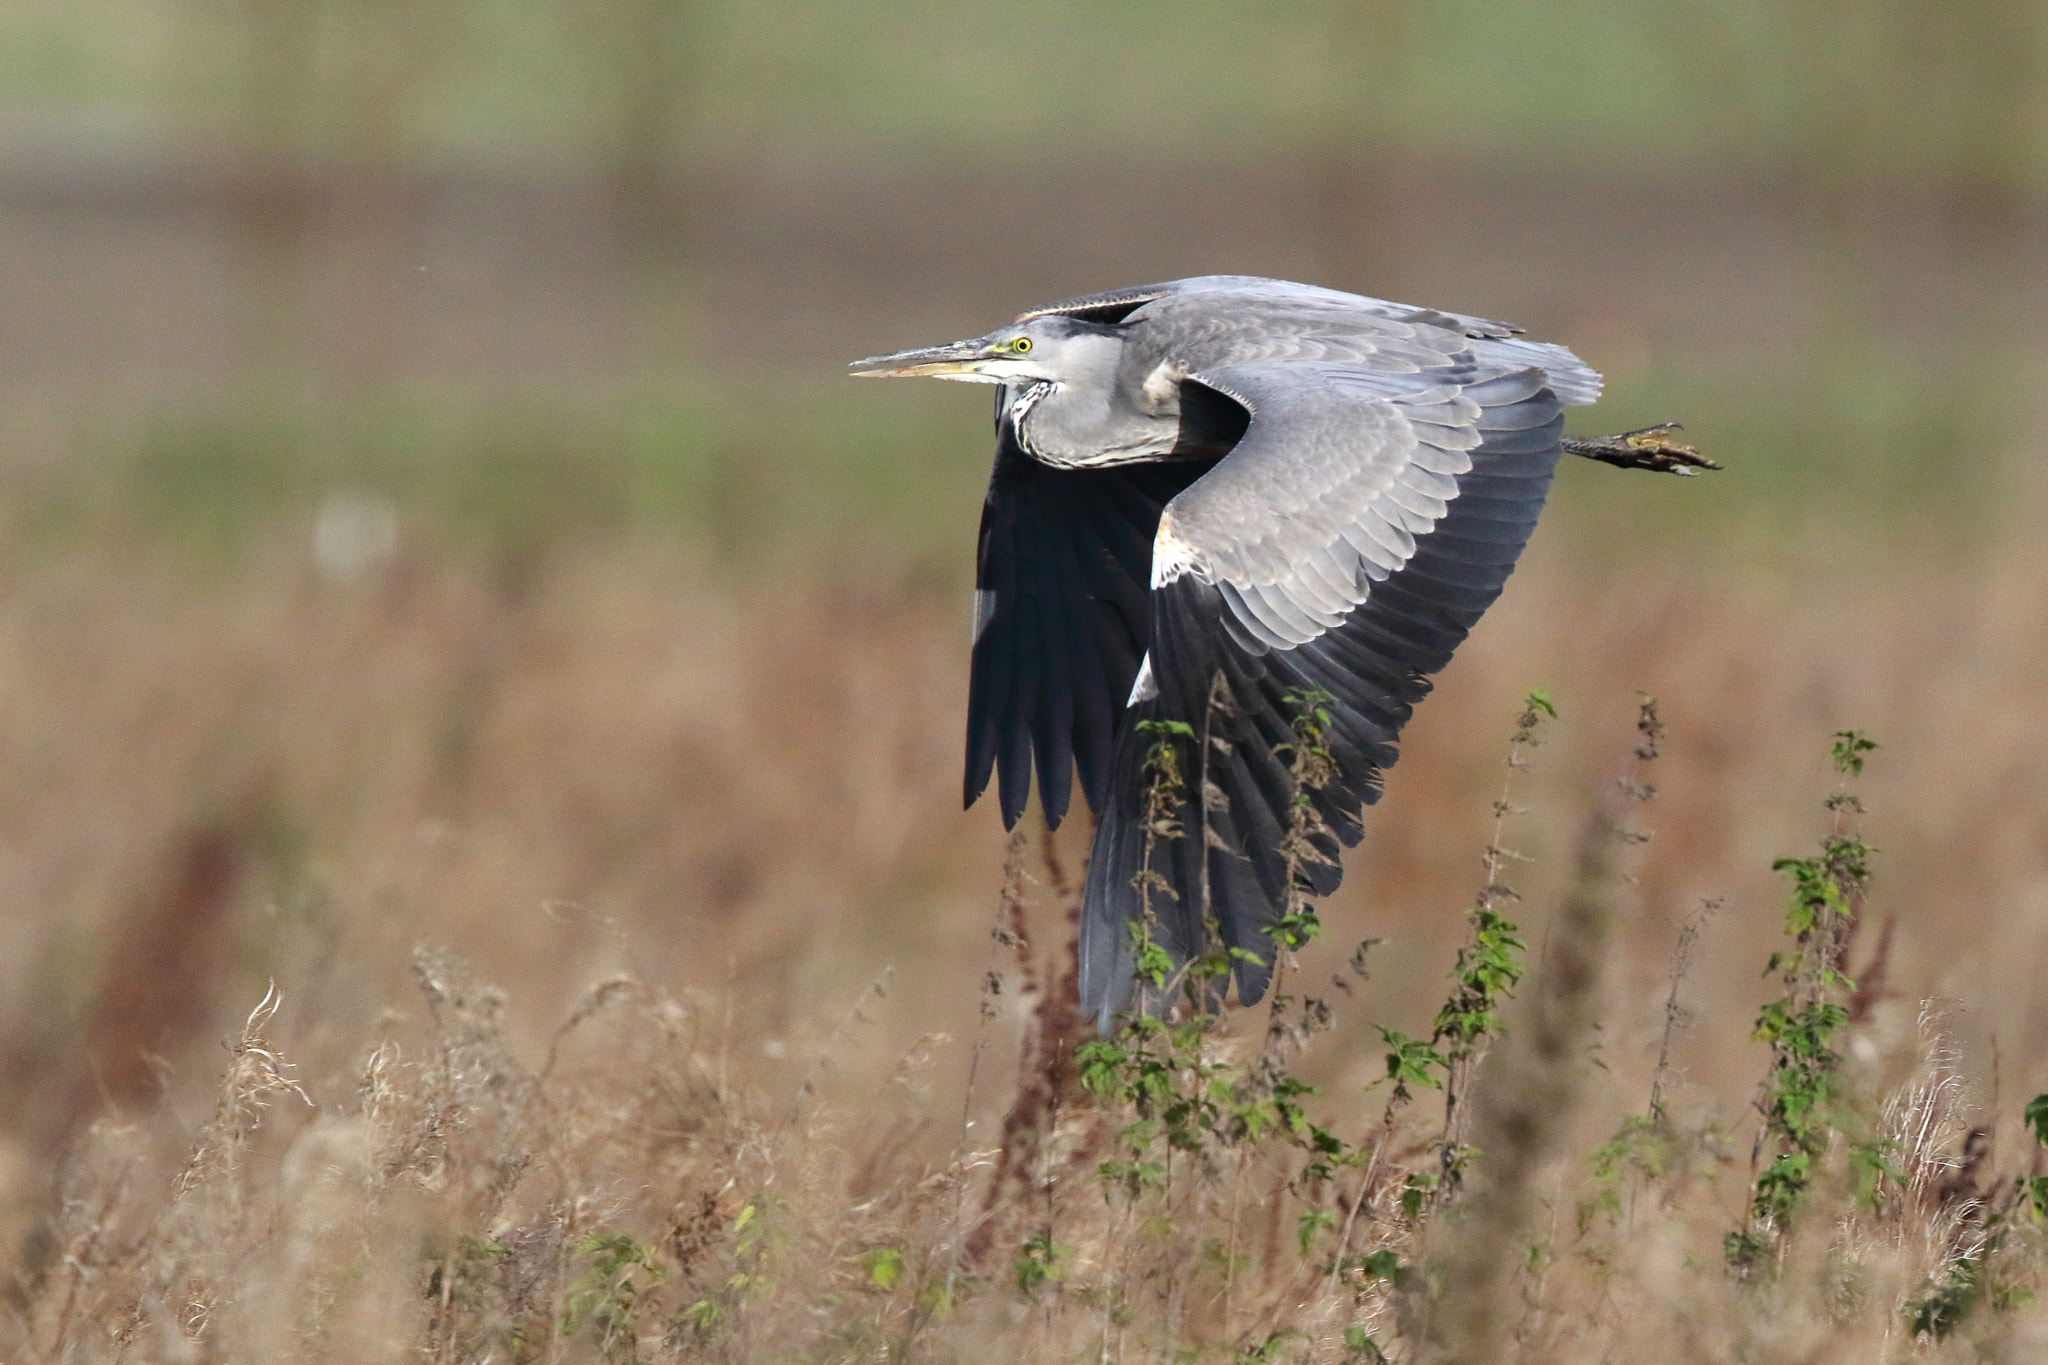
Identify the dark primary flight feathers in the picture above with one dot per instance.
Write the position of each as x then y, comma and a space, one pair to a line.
1282, 487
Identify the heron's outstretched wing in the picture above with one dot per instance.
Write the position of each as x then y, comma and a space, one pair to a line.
1114, 305
1060, 621
1212, 320
1343, 548
1231, 321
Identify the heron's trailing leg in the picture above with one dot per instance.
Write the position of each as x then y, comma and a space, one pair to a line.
1644, 448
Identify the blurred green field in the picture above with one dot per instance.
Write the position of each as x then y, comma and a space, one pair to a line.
1585, 83
1812, 232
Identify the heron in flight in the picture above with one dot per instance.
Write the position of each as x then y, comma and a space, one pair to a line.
1213, 499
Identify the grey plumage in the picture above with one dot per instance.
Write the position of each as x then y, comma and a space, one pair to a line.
1280, 487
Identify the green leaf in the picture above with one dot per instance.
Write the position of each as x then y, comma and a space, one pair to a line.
884, 1266
1849, 748
1383, 1264
1948, 1305
2036, 1114
1413, 1191
1040, 1262
1359, 1346
2035, 1188
1312, 1222
1409, 1060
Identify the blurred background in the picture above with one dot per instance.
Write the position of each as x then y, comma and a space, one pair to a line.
431, 509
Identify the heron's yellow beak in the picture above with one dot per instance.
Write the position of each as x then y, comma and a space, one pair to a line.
956, 360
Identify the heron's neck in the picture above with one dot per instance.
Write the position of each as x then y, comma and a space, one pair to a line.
1077, 427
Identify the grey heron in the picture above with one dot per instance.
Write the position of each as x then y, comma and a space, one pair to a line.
1212, 498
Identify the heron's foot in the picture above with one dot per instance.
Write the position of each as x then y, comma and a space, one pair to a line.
1644, 448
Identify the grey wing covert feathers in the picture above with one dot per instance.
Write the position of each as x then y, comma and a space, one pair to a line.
1384, 540
1354, 483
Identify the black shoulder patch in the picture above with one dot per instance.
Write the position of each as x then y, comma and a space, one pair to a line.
1110, 306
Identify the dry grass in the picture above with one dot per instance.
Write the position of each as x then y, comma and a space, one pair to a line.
634, 967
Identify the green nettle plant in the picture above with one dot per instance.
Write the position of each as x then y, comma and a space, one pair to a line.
1183, 1106
1803, 1102
1178, 1098
1484, 975
607, 1300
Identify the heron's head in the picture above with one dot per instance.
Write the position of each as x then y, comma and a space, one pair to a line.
1059, 349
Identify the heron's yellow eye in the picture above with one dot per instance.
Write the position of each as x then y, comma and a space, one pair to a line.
1021, 345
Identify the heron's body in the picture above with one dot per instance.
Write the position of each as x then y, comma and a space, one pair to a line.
1212, 499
